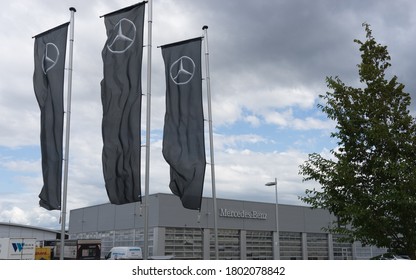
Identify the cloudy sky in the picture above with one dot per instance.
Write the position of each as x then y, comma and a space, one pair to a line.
268, 63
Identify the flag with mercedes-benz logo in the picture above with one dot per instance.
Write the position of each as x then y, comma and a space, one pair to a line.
48, 83
121, 97
183, 134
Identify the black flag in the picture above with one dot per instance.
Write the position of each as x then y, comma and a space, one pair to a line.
183, 134
121, 97
48, 83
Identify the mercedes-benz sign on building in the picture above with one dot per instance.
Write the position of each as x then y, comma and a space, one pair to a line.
246, 230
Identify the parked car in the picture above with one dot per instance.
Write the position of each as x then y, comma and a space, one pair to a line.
391, 256
125, 253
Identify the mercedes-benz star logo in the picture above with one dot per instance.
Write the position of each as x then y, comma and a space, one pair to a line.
182, 70
50, 57
122, 37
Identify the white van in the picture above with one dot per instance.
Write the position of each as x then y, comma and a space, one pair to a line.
125, 253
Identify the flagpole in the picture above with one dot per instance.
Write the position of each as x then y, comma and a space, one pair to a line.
211, 141
68, 121
149, 80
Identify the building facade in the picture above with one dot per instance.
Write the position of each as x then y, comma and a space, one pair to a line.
246, 230
11, 230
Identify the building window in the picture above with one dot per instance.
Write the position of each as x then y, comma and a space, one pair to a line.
366, 252
259, 245
107, 241
228, 244
342, 248
317, 246
290, 245
124, 238
184, 243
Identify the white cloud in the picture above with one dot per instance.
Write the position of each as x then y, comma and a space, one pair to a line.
244, 173
20, 165
286, 119
29, 215
312, 123
15, 215
253, 120
18, 129
280, 119
223, 142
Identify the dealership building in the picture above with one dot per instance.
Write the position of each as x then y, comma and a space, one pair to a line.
246, 230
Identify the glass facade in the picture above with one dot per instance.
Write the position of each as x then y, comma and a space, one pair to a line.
228, 244
342, 248
259, 245
110, 239
290, 245
188, 244
184, 243
363, 252
317, 246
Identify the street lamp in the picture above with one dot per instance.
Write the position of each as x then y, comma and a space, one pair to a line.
277, 245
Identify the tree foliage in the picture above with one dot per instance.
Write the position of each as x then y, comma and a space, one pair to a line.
370, 182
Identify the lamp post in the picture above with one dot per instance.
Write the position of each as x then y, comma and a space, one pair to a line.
277, 245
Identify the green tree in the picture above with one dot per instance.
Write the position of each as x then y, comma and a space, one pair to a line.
369, 183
